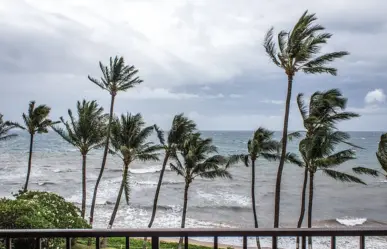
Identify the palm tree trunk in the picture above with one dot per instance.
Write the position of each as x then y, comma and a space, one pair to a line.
277, 198
29, 163
154, 209
253, 200
184, 212
103, 161
283, 153
119, 196
83, 210
310, 206
103, 242
302, 212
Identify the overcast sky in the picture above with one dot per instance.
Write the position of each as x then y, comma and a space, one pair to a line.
203, 58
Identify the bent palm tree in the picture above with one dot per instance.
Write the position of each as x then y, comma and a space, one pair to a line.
117, 77
298, 51
324, 110
35, 121
261, 145
200, 159
129, 142
86, 133
180, 129
319, 151
5, 127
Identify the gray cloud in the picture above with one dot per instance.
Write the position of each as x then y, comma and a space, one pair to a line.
202, 58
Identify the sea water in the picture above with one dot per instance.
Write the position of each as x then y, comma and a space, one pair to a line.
56, 167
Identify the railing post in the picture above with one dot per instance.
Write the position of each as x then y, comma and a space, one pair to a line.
155, 242
38, 243
244, 242
303, 242
68, 243
127, 242
186, 242
97, 243
362, 242
8, 243
333, 242
216, 242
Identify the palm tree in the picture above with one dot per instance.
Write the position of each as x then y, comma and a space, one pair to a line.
298, 51
261, 145
35, 121
86, 133
319, 151
5, 127
181, 128
117, 77
200, 159
325, 109
129, 142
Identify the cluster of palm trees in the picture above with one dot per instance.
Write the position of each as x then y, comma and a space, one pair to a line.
189, 154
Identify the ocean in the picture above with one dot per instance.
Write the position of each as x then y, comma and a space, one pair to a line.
56, 167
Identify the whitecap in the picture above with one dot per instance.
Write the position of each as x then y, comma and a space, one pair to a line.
351, 221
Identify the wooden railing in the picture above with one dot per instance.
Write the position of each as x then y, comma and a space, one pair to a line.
156, 234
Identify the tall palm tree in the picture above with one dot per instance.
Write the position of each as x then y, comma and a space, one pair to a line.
320, 153
200, 159
5, 127
180, 129
88, 132
129, 139
324, 110
117, 77
298, 50
35, 121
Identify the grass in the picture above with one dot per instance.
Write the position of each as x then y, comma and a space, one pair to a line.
119, 243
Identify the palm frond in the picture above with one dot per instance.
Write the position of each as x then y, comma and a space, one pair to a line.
221, 173
179, 170
270, 156
343, 177
366, 171
322, 60
301, 106
293, 159
269, 46
160, 134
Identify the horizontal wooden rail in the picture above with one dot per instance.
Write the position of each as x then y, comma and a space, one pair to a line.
193, 232
155, 234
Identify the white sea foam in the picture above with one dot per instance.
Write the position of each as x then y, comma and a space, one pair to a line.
351, 221
228, 198
145, 170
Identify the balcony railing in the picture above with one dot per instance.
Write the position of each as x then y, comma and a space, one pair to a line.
156, 234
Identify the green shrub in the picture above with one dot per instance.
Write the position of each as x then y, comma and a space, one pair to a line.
39, 210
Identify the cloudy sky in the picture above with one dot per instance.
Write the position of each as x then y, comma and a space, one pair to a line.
203, 58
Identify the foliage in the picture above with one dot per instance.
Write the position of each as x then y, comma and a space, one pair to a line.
38, 210
117, 76
318, 148
55, 209
36, 120
88, 131
129, 142
298, 48
5, 127
200, 160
